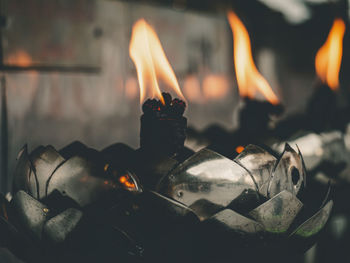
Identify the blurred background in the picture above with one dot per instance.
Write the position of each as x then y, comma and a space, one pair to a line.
68, 75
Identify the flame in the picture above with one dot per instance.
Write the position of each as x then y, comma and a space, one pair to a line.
328, 57
151, 62
248, 77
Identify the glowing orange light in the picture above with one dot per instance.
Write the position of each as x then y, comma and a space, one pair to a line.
248, 77
19, 58
131, 89
192, 88
239, 149
126, 181
151, 62
328, 57
215, 86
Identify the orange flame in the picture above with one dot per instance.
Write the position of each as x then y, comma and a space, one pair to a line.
151, 62
328, 57
248, 77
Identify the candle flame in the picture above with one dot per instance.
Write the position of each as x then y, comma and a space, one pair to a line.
248, 77
329, 56
151, 62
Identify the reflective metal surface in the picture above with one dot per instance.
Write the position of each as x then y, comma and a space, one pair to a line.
45, 170
237, 222
328, 149
30, 212
207, 181
259, 163
45, 163
22, 170
314, 224
58, 227
75, 178
288, 173
277, 214
249, 201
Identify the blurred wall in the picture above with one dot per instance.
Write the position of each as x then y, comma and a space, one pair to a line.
102, 108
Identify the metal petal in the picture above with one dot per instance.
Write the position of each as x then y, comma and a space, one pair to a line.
58, 227
314, 225
22, 170
45, 163
30, 212
7, 256
156, 206
235, 222
259, 163
207, 177
277, 214
303, 164
311, 146
288, 173
3, 207
76, 179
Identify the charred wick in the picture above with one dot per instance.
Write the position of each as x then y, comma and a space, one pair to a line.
163, 127
255, 115
172, 108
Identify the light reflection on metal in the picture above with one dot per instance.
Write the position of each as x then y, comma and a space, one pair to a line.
129, 182
255, 193
44, 171
318, 149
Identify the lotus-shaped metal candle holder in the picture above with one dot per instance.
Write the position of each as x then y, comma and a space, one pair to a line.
205, 208
58, 199
254, 202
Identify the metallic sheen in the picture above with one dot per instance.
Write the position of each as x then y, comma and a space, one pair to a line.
207, 182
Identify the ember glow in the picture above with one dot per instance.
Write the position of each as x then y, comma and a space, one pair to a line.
248, 77
239, 149
151, 62
329, 56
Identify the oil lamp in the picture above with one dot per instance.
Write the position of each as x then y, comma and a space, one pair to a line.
324, 112
255, 116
